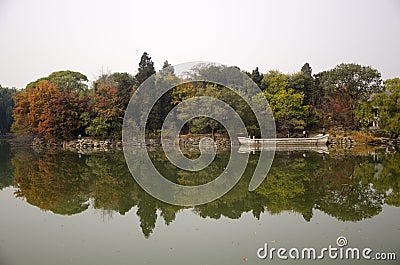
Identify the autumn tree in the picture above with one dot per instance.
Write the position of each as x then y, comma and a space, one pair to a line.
62, 117
38, 100
32, 102
351, 84
43, 108
108, 113
51, 183
20, 113
125, 83
30, 105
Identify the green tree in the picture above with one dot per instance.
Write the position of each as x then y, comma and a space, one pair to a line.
285, 95
306, 69
205, 124
284, 185
6, 108
232, 77
112, 188
146, 70
389, 106
256, 76
6, 168
317, 100
273, 81
167, 69
288, 109
302, 83
165, 78
364, 113
147, 213
69, 81
65, 80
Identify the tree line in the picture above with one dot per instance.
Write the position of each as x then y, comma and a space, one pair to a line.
63, 106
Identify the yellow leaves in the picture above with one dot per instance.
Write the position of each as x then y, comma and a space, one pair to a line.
182, 92
30, 104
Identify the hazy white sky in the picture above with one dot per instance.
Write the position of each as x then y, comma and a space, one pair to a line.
42, 36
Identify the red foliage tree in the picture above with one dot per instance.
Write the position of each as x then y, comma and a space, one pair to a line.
109, 110
62, 116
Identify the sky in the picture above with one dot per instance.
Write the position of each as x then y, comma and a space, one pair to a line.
92, 37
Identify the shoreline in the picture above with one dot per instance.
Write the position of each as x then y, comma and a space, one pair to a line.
337, 138
87, 145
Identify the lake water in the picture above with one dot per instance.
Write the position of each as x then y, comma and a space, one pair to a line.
66, 208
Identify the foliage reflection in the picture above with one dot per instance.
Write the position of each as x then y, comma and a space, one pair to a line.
346, 186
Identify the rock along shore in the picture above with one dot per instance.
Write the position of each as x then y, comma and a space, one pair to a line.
191, 142
88, 145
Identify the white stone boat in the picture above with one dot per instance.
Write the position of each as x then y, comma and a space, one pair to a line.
319, 140
322, 149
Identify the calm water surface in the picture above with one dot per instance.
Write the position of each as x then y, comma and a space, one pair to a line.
65, 208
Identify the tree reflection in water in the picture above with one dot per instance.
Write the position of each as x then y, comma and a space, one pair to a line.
346, 186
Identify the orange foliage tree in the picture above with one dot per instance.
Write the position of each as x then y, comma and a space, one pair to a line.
30, 105
42, 108
62, 116
20, 113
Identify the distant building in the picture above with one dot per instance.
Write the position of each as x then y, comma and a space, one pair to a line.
375, 120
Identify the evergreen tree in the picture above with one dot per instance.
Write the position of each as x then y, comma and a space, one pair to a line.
256, 76
167, 69
6, 108
303, 83
146, 68
307, 69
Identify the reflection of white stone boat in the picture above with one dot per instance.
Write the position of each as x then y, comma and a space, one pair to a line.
323, 149
319, 140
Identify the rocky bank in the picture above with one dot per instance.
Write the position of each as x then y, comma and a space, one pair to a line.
88, 145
